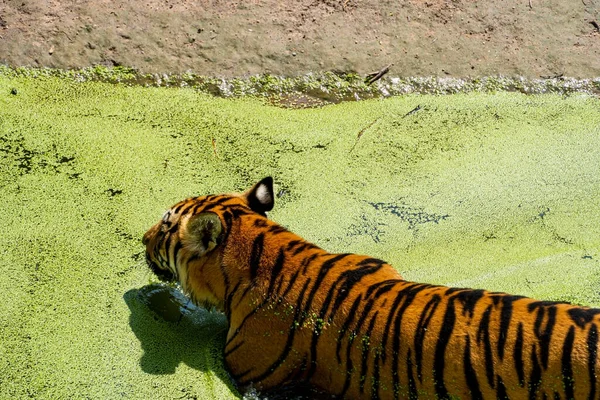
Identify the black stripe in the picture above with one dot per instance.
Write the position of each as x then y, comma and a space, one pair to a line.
216, 202
536, 374
412, 385
167, 248
346, 283
176, 249
238, 210
226, 282
399, 297
483, 334
173, 257
354, 277
470, 373
592, 343
193, 208
346, 325
501, 389
290, 284
294, 377
567, 367
256, 254
288, 345
276, 229
582, 316
234, 348
505, 317
304, 246
370, 261
543, 336
188, 205
173, 228
277, 289
187, 272
382, 286
276, 271
353, 334
469, 299
254, 310
307, 261
260, 222
547, 335
375, 384
249, 287
232, 337
229, 299
388, 323
176, 209
440, 350
409, 295
238, 377
545, 303
424, 320
323, 270
250, 314
518, 355
291, 244
363, 317
228, 222
366, 344
198, 204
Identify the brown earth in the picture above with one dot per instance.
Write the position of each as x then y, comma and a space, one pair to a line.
460, 38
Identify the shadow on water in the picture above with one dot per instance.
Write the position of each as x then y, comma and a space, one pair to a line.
172, 332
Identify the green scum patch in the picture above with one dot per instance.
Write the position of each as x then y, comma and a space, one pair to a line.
499, 191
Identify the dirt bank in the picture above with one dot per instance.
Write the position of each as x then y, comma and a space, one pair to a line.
236, 38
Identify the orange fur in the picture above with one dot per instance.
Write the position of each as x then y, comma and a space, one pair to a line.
351, 326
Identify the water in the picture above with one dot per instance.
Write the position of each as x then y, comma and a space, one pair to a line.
166, 302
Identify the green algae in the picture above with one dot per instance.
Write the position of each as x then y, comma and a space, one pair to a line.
315, 89
497, 191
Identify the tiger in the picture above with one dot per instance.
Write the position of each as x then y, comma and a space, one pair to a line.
349, 325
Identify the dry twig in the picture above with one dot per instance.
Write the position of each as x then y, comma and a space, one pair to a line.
362, 131
375, 76
557, 76
214, 145
411, 112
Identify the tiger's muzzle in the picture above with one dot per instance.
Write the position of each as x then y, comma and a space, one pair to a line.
164, 275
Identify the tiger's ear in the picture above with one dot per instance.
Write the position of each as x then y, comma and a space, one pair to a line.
260, 197
203, 232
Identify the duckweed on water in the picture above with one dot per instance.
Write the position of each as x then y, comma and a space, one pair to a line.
497, 191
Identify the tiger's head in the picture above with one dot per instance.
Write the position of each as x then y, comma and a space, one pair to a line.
192, 232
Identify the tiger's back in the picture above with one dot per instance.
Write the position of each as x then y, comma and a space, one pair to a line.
351, 326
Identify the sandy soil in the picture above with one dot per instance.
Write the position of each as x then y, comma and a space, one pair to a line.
235, 38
